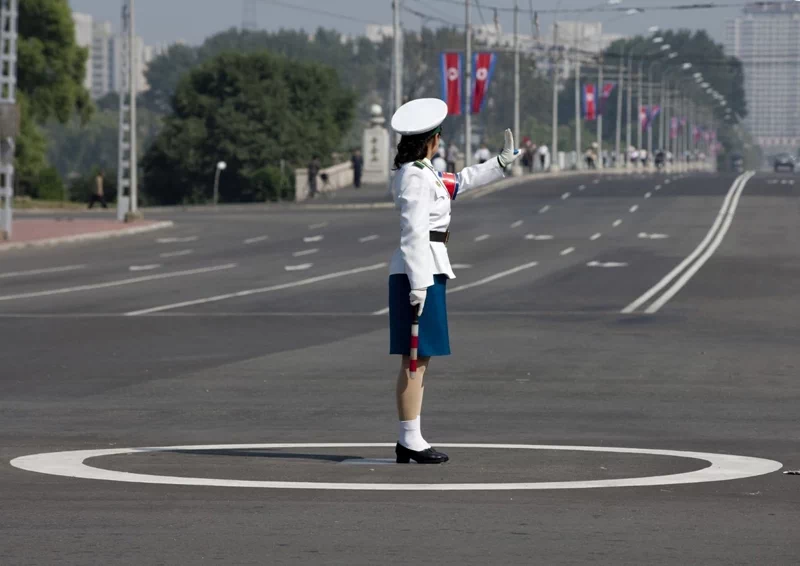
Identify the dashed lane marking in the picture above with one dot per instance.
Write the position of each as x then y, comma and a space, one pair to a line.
606, 264
544, 209
634, 208
149, 267
648, 195
539, 237
567, 251
517, 224
646, 236
176, 254
45, 271
461, 266
176, 240
256, 240
317, 226
596, 236
301, 267
269, 289
482, 238
310, 239
369, 238
565, 196
617, 222
658, 187
305, 252
118, 283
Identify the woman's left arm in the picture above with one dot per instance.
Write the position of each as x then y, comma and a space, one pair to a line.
491, 171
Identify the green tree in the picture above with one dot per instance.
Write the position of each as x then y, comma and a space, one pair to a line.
50, 72
251, 111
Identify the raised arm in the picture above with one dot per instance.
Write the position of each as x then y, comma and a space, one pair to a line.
491, 171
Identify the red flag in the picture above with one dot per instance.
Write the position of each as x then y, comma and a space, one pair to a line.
483, 64
608, 88
589, 102
452, 71
644, 117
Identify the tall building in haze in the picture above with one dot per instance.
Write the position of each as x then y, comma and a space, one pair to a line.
766, 38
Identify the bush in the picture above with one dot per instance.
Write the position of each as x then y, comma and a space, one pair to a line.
49, 185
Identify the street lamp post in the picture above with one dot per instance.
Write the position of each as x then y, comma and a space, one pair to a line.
9, 113
221, 166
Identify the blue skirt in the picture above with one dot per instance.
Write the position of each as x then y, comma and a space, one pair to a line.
434, 338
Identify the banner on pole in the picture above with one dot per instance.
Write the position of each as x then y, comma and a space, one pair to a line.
452, 73
673, 128
589, 102
644, 117
608, 88
483, 63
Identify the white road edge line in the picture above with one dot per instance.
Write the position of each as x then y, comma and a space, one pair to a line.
494, 277
249, 292
699, 250
118, 283
684, 279
302, 253
43, 271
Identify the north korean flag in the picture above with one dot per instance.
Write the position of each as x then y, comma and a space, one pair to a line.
608, 88
589, 102
452, 73
483, 63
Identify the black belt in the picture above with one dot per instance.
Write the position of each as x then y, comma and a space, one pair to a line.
441, 237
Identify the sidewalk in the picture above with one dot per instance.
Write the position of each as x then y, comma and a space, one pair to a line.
39, 232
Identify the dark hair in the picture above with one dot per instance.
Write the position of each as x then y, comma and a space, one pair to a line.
413, 148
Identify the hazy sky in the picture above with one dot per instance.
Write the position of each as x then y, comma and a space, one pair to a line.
193, 20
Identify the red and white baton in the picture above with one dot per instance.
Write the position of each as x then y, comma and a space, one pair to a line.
412, 364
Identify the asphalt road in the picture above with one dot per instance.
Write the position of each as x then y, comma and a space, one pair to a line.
253, 327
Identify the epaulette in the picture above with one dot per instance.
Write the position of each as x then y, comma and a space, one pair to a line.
419, 165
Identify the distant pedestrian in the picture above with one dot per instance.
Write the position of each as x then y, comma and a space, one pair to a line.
483, 154
543, 152
313, 172
98, 194
439, 163
358, 167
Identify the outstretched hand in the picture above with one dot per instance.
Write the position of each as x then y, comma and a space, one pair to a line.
510, 153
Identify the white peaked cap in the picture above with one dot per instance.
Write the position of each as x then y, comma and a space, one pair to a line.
419, 116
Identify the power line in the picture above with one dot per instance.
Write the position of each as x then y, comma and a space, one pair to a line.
607, 8
318, 11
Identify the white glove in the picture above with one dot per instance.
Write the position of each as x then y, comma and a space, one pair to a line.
509, 154
417, 297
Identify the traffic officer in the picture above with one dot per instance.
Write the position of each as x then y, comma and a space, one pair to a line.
420, 267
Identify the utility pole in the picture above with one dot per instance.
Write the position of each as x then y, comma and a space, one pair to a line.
628, 112
620, 94
650, 110
638, 108
598, 96
127, 208
398, 60
516, 73
468, 85
578, 121
554, 137
662, 117
9, 112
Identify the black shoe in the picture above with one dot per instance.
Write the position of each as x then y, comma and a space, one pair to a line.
427, 456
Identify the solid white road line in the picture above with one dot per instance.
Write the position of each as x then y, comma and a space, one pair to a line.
695, 254
42, 271
684, 279
539, 237
270, 289
544, 209
176, 254
617, 222
176, 240
606, 264
310, 239
596, 236
366, 239
256, 240
301, 267
565, 196
305, 252
567, 251
517, 224
634, 208
118, 283
149, 267
317, 226
482, 237
494, 277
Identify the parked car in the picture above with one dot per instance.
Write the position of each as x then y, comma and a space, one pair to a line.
784, 162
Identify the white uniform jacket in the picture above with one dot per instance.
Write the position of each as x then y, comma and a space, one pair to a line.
424, 204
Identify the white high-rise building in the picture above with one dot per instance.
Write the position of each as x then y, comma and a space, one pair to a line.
100, 59
143, 54
767, 41
84, 33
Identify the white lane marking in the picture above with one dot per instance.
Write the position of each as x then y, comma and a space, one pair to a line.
658, 187
567, 251
517, 224
255, 240
667, 279
565, 196
43, 271
249, 292
305, 252
646, 236
71, 464
596, 236
310, 239
544, 209
301, 267
370, 238
149, 267
582, 188
596, 181
461, 266
606, 264
317, 226
684, 279
176, 254
494, 277
648, 195
118, 283
667, 181
381, 312
617, 222
176, 240
539, 237
482, 237
634, 208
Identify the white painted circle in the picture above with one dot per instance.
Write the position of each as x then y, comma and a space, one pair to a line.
722, 467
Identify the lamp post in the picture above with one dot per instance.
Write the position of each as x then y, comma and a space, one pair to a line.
221, 166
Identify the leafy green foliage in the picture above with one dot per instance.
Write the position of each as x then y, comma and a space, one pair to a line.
251, 111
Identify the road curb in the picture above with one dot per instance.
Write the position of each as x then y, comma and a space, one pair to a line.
91, 236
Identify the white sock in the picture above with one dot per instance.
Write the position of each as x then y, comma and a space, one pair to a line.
411, 436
